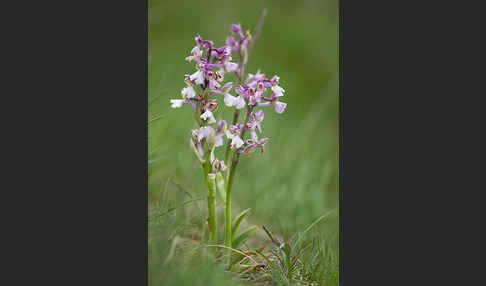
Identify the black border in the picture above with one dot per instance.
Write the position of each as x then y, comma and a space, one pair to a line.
89, 222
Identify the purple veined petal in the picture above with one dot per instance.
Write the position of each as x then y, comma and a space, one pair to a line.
274, 80
280, 106
207, 44
221, 126
259, 115
230, 41
236, 128
209, 66
199, 41
188, 92
227, 87
268, 103
176, 103
252, 101
259, 86
211, 105
236, 28
262, 141
240, 90
215, 91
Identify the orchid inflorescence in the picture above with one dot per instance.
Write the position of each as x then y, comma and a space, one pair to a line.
206, 85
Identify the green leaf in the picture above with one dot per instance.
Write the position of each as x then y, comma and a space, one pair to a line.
237, 221
237, 241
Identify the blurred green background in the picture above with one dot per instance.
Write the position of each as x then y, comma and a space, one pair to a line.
296, 180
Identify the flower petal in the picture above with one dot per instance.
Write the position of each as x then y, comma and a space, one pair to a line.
176, 103
197, 77
280, 106
278, 90
188, 92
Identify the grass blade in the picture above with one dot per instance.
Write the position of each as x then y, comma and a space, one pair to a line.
237, 241
311, 226
237, 221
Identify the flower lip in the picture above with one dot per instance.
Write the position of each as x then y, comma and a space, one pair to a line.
197, 77
278, 90
177, 103
188, 92
280, 106
208, 114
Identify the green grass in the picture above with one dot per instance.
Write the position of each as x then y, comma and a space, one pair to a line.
288, 187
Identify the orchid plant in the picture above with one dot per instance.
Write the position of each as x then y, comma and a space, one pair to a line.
206, 91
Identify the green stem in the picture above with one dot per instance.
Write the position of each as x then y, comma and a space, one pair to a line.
228, 204
228, 147
232, 171
210, 183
